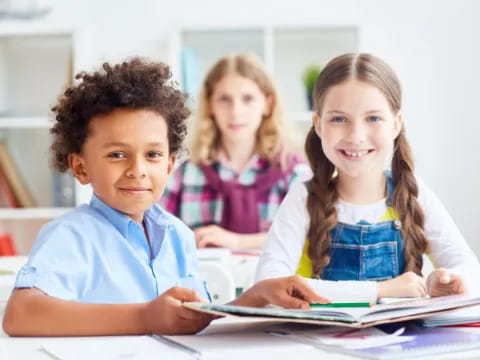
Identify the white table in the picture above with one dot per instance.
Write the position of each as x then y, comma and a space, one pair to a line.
217, 342
251, 343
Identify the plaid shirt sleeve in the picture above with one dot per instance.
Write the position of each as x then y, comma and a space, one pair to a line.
172, 196
298, 169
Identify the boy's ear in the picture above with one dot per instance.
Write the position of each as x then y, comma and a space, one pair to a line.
171, 163
398, 124
77, 165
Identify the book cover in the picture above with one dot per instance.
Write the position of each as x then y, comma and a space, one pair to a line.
462, 316
22, 195
353, 317
415, 341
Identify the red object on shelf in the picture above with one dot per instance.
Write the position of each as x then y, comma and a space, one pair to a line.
6, 245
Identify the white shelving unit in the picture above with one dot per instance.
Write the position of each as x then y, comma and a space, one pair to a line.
286, 52
37, 61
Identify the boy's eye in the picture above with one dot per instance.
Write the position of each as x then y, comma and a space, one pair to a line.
374, 118
117, 155
224, 99
154, 154
338, 119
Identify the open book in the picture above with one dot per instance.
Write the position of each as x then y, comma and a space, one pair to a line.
357, 317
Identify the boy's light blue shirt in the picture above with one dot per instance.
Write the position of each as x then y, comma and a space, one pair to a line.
96, 254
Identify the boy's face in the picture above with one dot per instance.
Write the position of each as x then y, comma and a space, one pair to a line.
126, 160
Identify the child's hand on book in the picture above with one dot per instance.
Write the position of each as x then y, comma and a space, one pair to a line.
165, 314
408, 284
289, 292
215, 236
442, 282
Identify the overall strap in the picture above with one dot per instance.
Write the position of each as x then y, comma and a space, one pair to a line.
390, 187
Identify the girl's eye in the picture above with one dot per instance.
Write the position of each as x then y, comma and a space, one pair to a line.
247, 98
338, 119
154, 155
224, 99
374, 118
117, 155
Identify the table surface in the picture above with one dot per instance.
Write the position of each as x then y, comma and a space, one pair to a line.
241, 340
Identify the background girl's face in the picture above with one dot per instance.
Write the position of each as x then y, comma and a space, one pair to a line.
238, 105
357, 128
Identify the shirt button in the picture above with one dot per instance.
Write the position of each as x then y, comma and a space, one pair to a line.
170, 227
397, 224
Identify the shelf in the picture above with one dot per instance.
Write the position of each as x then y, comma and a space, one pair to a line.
300, 116
12, 28
25, 122
32, 213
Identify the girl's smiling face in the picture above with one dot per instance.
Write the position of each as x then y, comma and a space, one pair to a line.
357, 128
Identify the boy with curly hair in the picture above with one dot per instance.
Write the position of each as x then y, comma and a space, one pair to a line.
121, 264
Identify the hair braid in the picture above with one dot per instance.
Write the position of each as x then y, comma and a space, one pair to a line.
406, 204
322, 196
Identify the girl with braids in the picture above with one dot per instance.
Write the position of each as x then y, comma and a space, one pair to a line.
356, 230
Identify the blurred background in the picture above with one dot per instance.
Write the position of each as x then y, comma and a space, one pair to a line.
432, 45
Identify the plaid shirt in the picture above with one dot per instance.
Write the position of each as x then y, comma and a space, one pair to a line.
189, 197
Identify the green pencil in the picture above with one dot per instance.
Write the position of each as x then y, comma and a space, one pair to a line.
6, 272
342, 304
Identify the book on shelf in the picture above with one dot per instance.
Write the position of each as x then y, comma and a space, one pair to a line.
7, 198
355, 317
7, 248
21, 193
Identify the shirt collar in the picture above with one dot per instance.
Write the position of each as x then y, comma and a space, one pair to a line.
255, 162
118, 219
122, 221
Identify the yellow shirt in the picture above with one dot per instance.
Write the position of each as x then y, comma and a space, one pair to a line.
304, 267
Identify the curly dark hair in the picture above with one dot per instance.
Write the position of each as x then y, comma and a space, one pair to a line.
133, 84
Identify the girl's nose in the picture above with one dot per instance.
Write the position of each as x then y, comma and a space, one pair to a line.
357, 133
237, 106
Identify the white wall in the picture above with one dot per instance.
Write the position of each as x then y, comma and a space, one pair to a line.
430, 43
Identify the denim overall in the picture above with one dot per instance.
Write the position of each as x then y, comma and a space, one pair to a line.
363, 251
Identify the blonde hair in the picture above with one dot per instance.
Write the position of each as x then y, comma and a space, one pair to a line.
322, 193
206, 136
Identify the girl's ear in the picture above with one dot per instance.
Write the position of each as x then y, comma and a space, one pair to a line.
316, 123
76, 163
269, 101
398, 124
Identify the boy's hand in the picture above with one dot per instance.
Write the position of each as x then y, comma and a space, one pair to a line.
166, 315
408, 284
215, 236
442, 282
290, 292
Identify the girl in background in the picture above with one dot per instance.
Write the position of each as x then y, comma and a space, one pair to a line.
240, 165
355, 230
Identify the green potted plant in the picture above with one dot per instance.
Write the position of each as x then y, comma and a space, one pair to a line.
309, 77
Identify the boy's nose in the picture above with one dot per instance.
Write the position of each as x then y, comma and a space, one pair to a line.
137, 170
